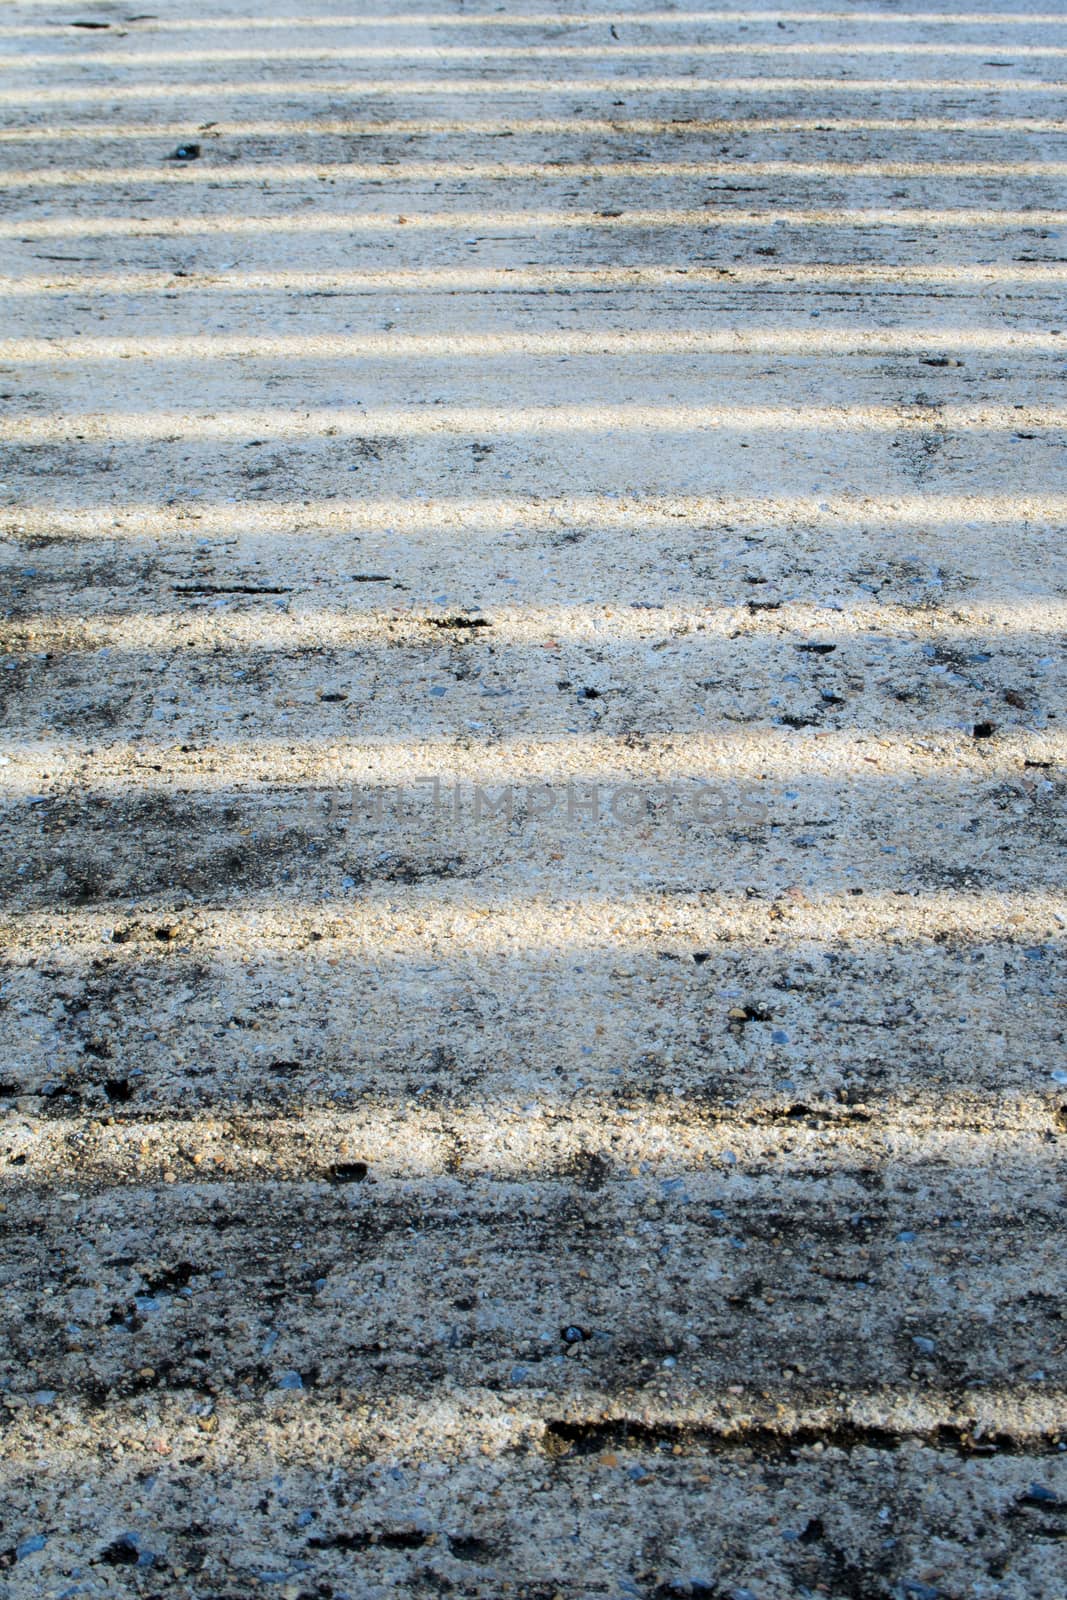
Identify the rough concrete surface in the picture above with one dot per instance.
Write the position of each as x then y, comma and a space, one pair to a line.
531, 800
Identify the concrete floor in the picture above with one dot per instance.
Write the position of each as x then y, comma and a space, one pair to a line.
531, 802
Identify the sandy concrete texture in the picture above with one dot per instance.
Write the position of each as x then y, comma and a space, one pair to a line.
532, 596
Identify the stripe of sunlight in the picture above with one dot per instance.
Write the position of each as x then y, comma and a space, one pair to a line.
511, 1139
512, 625
616, 342
475, 279
499, 515
316, 88
565, 19
730, 756
515, 171
467, 1423
449, 916
538, 52
328, 421
678, 129
308, 222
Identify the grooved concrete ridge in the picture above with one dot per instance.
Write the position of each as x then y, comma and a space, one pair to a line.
531, 792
